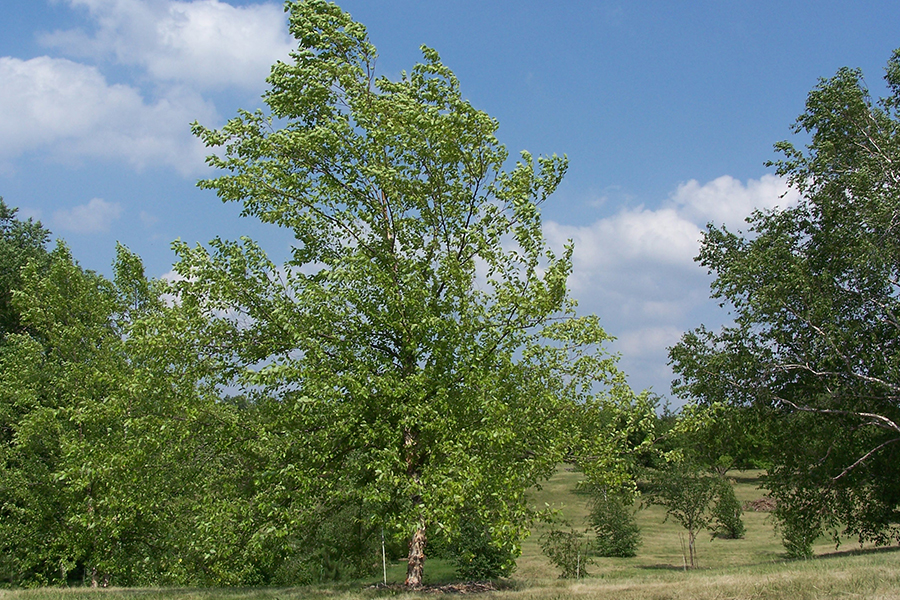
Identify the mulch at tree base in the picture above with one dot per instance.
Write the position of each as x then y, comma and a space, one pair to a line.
467, 587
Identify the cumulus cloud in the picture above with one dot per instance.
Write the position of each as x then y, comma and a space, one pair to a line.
727, 200
636, 268
203, 43
649, 253
69, 110
94, 217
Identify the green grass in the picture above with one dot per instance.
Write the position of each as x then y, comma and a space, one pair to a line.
753, 568
661, 549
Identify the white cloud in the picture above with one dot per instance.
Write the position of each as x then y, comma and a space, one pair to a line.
623, 244
648, 341
94, 217
70, 111
204, 43
636, 268
727, 200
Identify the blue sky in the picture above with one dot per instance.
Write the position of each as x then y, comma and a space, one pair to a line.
666, 110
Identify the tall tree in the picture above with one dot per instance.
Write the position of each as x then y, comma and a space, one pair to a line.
20, 242
815, 292
116, 454
403, 346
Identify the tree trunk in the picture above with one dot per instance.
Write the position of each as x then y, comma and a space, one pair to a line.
692, 537
415, 564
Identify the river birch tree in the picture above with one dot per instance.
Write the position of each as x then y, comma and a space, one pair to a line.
815, 293
404, 344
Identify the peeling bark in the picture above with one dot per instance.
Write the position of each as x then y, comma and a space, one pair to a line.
415, 565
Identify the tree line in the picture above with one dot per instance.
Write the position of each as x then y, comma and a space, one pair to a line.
417, 365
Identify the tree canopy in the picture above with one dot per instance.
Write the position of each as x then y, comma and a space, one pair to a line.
814, 289
409, 350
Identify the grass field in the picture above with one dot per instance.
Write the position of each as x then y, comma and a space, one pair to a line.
751, 568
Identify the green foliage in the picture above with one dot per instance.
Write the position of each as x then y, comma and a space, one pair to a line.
21, 242
477, 556
408, 355
613, 519
568, 550
726, 513
116, 453
724, 437
814, 293
687, 494
798, 532
614, 434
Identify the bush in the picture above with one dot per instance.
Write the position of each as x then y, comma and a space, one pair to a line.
727, 513
613, 520
477, 556
799, 529
567, 550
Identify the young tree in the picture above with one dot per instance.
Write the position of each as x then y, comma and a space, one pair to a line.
568, 550
406, 347
612, 518
688, 495
815, 292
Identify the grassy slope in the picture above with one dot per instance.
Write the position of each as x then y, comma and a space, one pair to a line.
662, 539
753, 567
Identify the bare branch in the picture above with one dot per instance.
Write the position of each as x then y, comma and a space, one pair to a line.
878, 420
866, 457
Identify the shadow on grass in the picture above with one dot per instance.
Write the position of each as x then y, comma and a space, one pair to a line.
663, 567
859, 552
755, 480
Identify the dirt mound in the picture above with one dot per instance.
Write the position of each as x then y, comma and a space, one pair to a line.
764, 504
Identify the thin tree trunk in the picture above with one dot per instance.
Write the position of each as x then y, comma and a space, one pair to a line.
415, 565
691, 539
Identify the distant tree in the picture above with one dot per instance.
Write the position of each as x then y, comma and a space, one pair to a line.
20, 243
723, 437
815, 293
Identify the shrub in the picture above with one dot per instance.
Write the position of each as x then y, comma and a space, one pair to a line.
477, 556
799, 529
727, 513
567, 550
613, 520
